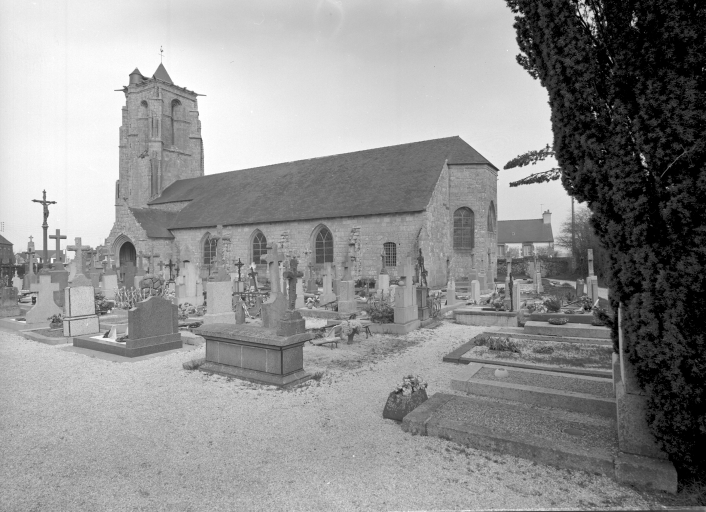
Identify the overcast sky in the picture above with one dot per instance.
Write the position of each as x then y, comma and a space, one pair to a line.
284, 80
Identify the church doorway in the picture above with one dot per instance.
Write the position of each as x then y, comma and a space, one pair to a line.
127, 254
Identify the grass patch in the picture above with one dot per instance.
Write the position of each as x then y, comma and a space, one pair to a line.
499, 343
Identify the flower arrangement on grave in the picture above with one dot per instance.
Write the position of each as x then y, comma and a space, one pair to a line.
537, 307
350, 328
601, 316
410, 384
586, 303
558, 321
405, 398
552, 304
56, 321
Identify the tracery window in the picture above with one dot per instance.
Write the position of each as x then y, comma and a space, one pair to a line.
209, 250
324, 246
259, 247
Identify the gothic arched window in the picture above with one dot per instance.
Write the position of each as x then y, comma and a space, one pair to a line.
464, 223
209, 250
259, 247
390, 254
491, 218
324, 246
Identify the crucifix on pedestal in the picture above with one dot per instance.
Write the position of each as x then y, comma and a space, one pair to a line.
45, 204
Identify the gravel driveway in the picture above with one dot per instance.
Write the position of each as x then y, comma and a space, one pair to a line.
80, 433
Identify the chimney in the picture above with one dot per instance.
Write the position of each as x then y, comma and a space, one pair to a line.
547, 217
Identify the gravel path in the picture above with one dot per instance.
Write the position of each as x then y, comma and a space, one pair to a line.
79, 433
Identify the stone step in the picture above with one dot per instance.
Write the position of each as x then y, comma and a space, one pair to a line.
544, 435
570, 330
577, 393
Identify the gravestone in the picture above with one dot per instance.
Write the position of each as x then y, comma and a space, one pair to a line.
311, 286
71, 267
347, 304
17, 281
274, 307
8, 301
291, 322
423, 309
517, 295
538, 282
451, 292
580, 290
327, 294
383, 284
128, 272
61, 277
152, 327
109, 280
640, 460
300, 294
219, 301
405, 310
80, 310
78, 278
239, 310
45, 307
475, 291
482, 282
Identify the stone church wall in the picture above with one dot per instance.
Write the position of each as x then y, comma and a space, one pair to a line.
473, 186
434, 239
126, 227
368, 234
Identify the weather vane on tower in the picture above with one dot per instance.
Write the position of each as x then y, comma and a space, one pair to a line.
161, 53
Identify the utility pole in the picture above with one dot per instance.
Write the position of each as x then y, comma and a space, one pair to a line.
573, 236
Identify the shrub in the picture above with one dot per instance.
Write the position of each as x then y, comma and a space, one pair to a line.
500, 343
365, 281
380, 311
194, 364
552, 304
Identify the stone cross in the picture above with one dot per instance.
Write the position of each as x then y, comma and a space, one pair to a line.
590, 262
347, 264
30, 256
58, 260
307, 252
45, 204
273, 259
291, 274
220, 250
382, 257
78, 248
170, 265
151, 256
240, 265
422, 270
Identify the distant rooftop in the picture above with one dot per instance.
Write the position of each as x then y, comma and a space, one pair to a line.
524, 231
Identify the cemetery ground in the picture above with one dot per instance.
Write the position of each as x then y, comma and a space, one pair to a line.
87, 433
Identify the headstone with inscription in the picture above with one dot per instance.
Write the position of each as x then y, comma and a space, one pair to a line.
327, 294
8, 301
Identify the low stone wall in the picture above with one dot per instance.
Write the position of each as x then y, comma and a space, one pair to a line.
468, 316
573, 319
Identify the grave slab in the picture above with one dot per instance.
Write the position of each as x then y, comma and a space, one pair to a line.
255, 354
471, 316
80, 311
572, 330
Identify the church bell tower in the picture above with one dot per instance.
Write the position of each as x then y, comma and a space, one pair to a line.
160, 138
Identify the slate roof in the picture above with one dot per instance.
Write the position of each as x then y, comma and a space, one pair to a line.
394, 179
526, 230
161, 74
154, 222
4, 241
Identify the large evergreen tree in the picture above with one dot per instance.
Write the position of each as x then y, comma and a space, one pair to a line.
627, 90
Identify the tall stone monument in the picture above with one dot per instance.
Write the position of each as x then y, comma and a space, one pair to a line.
79, 300
276, 304
405, 310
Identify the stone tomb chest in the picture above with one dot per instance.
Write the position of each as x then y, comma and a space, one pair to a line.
152, 327
255, 354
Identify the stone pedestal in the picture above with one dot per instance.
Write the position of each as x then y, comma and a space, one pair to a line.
219, 299
346, 298
311, 286
475, 291
538, 282
482, 281
273, 310
291, 323
406, 312
327, 294
239, 311
639, 461
61, 277
516, 296
8, 302
80, 311
238, 287
423, 310
17, 282
255, 354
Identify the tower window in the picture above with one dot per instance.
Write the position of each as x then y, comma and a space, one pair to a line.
491, 218
464, 223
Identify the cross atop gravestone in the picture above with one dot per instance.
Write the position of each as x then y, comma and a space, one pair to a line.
140, 263
151, 256
590, 262
78, 260
30, 258
58, 260
240, 265
170, 265
291, 275
273, 260
253, 276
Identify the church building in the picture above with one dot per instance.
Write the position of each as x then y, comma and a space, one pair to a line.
439, 196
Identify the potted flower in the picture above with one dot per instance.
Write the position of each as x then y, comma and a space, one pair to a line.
55, 321
405, 398
350, 328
